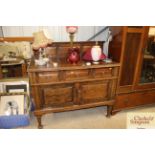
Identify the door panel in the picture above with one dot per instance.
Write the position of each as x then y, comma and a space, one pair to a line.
132, 46
97, 91
148, 58
59, 95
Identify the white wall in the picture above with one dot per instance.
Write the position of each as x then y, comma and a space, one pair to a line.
57, 33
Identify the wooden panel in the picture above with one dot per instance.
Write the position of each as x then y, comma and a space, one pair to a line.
94, 91
13, 39
145, 70
131, 100
58, 96
63, 52
135, 30
51, 52
124, 89
139, 27
63, 47
115, 46
85, 48
46, 77
130, 58
76, 74
103, 72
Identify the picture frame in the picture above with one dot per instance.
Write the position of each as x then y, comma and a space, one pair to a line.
12, 105
15, 85
16, 88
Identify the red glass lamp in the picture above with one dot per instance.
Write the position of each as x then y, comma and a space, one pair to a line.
71, 30
73, 52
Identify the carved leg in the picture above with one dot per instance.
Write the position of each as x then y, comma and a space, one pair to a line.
40, 126
109, 110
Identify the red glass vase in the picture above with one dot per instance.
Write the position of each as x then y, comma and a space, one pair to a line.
73, 55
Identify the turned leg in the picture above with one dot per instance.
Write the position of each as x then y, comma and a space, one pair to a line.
115, 112
40, 126
109, 110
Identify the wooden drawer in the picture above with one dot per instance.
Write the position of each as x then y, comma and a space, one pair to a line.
58, 95
46, 77
125, 101
103, 72
76, 74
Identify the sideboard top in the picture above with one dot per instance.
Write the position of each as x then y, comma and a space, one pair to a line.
68, 66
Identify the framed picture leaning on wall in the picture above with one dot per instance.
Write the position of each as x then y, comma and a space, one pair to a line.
12, 105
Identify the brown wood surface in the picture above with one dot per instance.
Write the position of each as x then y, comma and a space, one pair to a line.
71, 87
40, 112
130, 55
1, 75
132, 46
91, 92
14, 70
13, 39
60, 95
134, 99
135, 30
137, 84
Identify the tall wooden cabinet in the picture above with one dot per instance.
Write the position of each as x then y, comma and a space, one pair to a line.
130, 47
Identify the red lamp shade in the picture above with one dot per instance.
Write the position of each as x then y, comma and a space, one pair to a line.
71, 29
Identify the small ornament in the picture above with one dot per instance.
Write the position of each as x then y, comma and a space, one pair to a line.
55, 64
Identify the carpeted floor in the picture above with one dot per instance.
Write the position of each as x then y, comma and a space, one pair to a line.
94, 118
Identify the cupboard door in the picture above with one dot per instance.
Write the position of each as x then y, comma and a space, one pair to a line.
131, 50
148, 58
59, 95
92, 92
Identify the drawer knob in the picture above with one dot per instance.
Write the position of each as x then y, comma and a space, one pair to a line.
126, 100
